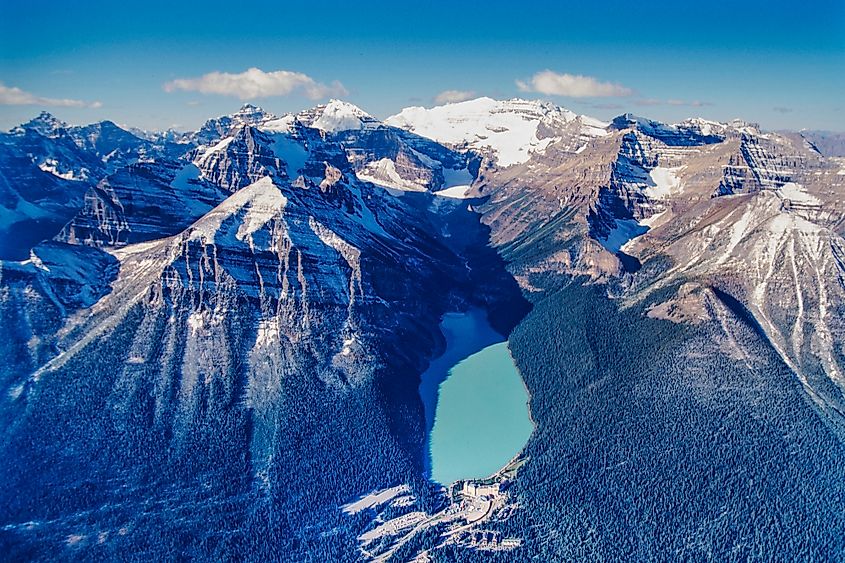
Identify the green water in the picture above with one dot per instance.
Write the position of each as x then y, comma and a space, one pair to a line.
481, 419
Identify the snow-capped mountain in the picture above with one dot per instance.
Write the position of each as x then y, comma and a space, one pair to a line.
727, 205
218, 128
224, 331
337, 116
222, 277
509, 131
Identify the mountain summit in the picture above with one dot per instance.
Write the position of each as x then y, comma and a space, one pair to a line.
510, 130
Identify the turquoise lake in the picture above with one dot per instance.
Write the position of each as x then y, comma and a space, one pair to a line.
475, 402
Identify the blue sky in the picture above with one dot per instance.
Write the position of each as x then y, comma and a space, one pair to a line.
779, 63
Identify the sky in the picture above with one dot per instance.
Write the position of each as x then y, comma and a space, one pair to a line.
157, 65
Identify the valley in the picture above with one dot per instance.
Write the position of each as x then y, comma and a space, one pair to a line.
491, 330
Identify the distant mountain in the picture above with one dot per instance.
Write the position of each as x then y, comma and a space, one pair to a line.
509, 131
214, 339
829, 143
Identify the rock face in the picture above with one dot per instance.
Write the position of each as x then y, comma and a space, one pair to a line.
141, 202
215, 338
238, 160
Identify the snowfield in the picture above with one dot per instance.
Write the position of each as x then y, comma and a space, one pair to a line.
510, 129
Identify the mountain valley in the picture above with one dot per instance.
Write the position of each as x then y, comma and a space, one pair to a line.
215, 340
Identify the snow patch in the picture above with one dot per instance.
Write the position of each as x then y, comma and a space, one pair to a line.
655, 219
394, 526
375, 499
383, 173
196, 321
292, 152
330, 238
262, 201
796, 193
268, 333
666, 183
282, 124
455, 192
51, 165
36, 261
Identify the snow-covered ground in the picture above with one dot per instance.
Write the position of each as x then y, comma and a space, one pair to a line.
292, 152
509, 128
376, 498
666, 183
281, 124
797, 194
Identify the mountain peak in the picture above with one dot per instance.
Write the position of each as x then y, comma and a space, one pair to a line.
251, 110
251, 114
335, 116
509, 130
218, 127
258, 202
342, 105
45, 124
687, 133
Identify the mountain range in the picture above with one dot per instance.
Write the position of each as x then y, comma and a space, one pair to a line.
213, 340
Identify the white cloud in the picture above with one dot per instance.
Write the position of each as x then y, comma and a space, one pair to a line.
571, 85
255, 83
13, 96
453, 96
